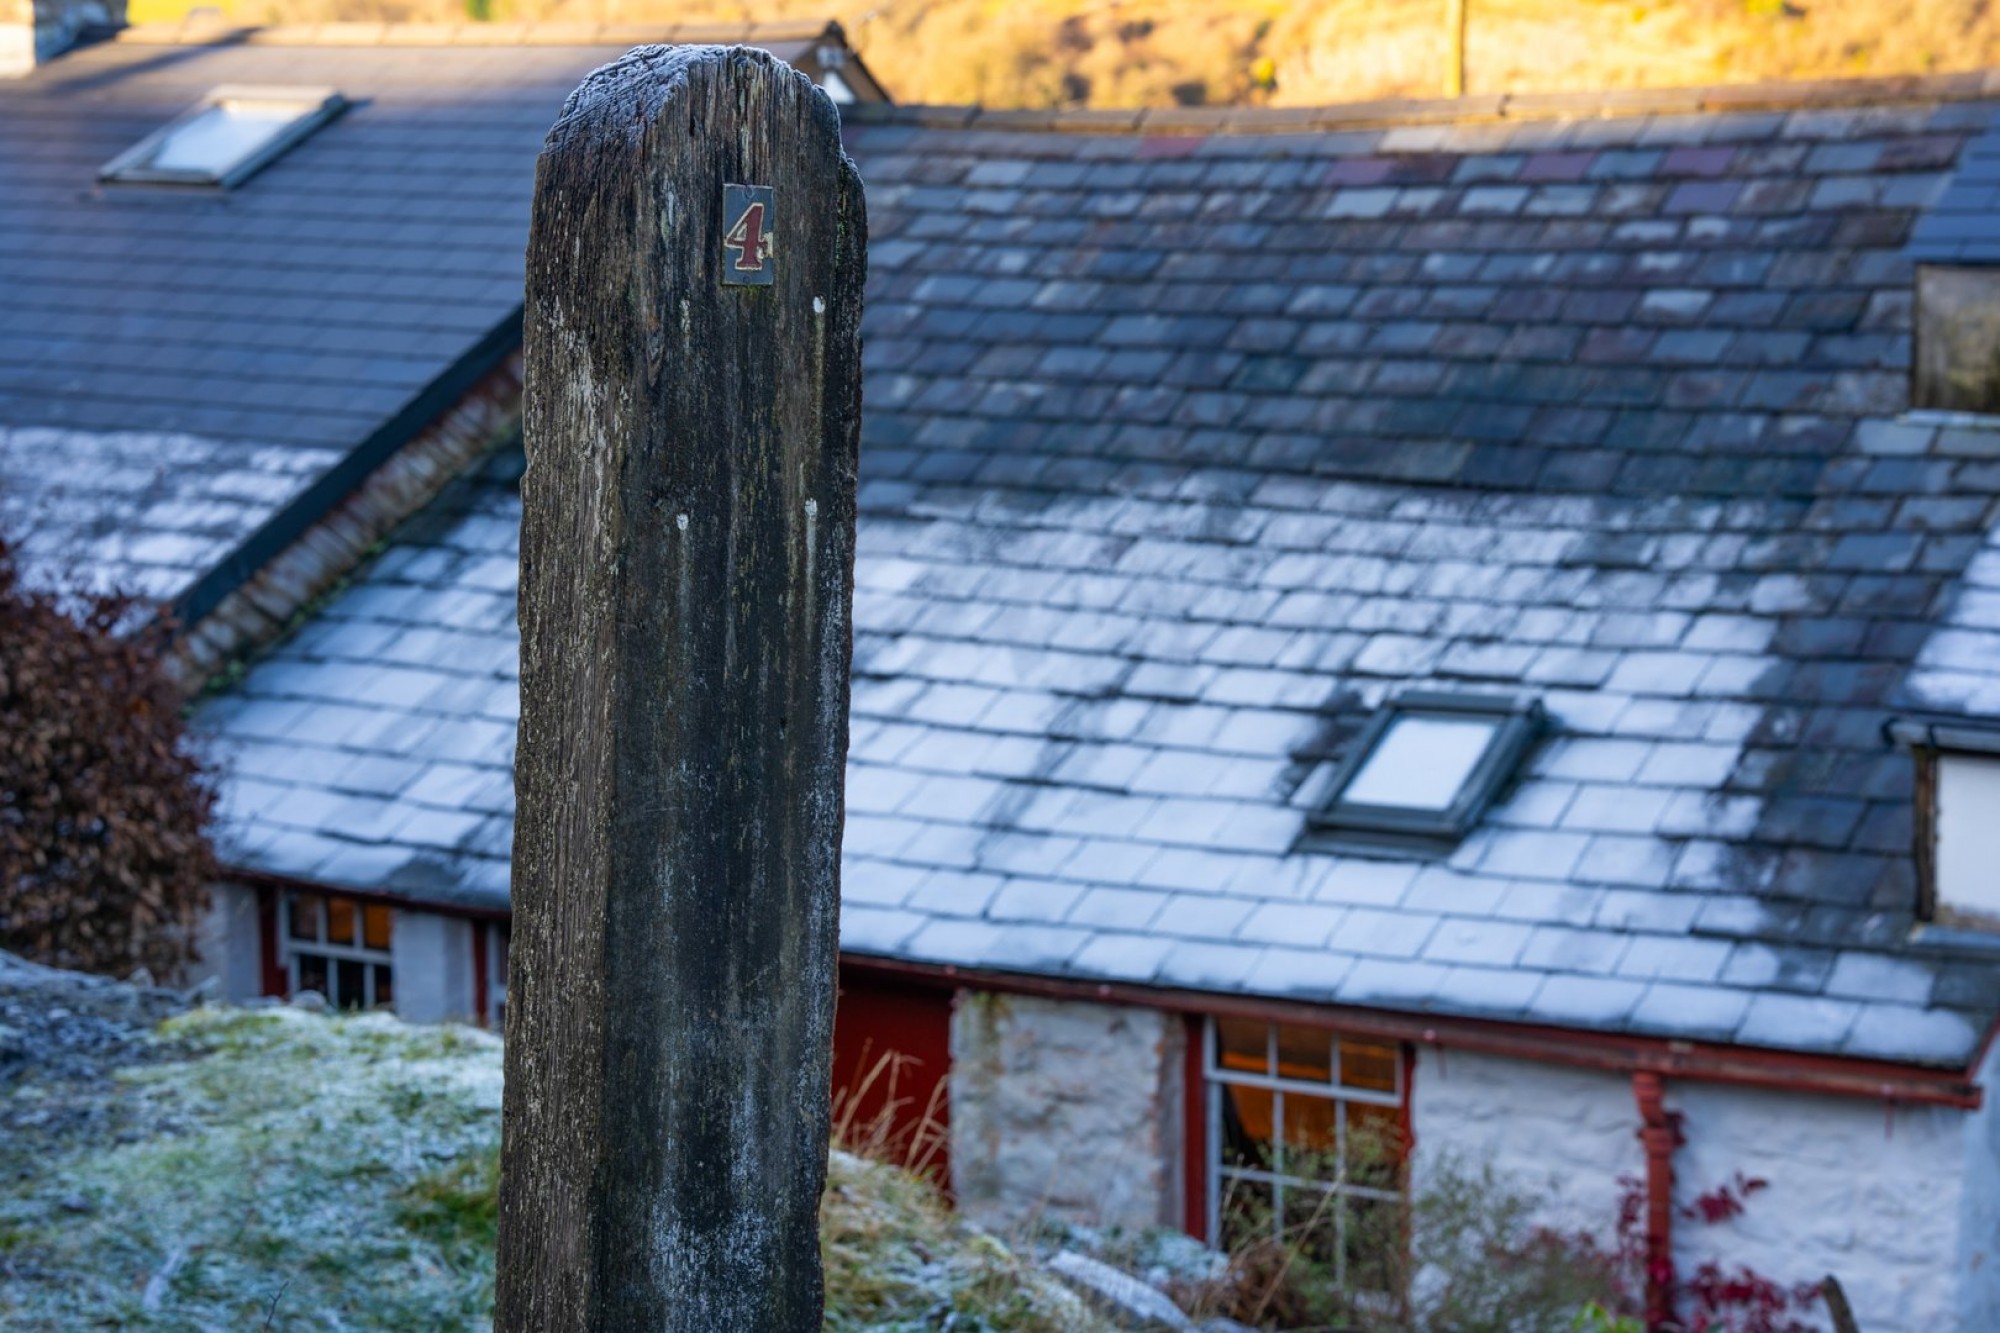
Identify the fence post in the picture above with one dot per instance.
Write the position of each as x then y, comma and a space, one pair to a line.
692, 341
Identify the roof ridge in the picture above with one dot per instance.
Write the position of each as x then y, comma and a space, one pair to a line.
212, 31
1800, 95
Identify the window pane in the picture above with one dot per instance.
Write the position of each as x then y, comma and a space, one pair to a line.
1312, 1230
349, 982
1420, 763
222, 136
1246, 1211
1246, 1126
304, 912
340, 920
1369, 1064
1311, 1149
1968, 839
312, 974
375, 920
1243, 1044
385, 987
1305, 1054
1373, 1242
1374, 1145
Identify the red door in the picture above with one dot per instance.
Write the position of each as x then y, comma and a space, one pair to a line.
891, 1058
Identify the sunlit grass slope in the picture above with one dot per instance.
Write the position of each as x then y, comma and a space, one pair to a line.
1122, 53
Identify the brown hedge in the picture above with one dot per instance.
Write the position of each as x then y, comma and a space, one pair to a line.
105, 808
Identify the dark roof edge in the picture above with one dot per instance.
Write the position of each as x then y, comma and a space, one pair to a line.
1973, 735
1893, 1081
1482, 108
474, 907
212, 32
291, 522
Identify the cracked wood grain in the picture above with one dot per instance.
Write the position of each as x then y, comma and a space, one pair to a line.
687, 561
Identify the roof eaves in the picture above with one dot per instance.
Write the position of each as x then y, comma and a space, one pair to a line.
289, 523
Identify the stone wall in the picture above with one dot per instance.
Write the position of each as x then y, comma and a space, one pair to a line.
230, 942
33, 32
432, 955
261, 608
1068, 1110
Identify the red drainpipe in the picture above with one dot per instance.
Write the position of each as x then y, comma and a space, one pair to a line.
1660, 1133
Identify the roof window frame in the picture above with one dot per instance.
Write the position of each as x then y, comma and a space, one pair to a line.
318, 105
1930, 742
1517, 722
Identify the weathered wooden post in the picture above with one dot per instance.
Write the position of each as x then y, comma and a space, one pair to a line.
693, 405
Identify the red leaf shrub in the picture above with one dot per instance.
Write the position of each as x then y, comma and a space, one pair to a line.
105, 857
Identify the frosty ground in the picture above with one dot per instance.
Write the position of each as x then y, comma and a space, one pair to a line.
281, 1169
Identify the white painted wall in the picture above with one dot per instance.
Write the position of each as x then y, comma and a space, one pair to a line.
1979, 1207
1904, 1209
231, 943
1067, 1110
1871, 1196
1565, 1134
432, 956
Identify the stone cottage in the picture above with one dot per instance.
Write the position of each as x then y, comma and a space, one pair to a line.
1456, 625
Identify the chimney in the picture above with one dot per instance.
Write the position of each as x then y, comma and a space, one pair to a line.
34, 32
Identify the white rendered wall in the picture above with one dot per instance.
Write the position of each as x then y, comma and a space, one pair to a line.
1979, 1207
231, 943
1904, 1210
1872, 1197
1564, 1134
432, 956
1067, 1110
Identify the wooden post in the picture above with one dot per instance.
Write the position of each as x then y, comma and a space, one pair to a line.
695, 265
1837, 1308
1454, 27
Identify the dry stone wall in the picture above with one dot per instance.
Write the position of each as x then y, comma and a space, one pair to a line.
1066, 1110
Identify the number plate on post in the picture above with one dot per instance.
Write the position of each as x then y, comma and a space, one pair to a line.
747, 247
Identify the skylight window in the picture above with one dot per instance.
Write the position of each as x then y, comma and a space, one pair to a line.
1425, 769
231, 135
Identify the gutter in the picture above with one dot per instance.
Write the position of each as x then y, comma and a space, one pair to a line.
1658, 1057
291, 522
1705, 1062
259, 879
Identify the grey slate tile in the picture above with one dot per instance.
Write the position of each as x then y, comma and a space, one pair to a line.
1114, 573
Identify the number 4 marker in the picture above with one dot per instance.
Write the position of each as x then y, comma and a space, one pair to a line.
748, 249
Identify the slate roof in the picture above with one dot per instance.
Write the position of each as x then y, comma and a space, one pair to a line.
1959, 229
1180, 453
179, 365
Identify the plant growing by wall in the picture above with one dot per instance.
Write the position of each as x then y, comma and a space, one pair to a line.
105, 808
1468, 1257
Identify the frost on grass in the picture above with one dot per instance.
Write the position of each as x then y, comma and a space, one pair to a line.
293, 1171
